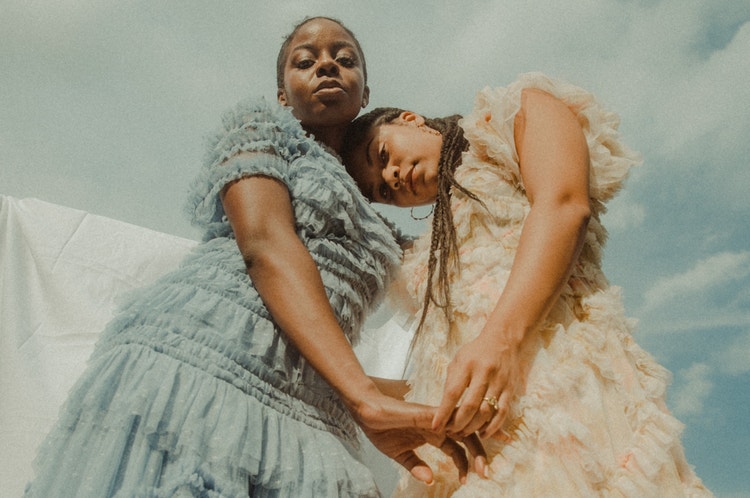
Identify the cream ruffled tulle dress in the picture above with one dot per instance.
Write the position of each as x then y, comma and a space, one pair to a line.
592, 419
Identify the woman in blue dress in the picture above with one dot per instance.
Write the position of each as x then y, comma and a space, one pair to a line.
210, 383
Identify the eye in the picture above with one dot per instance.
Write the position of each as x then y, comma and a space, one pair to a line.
383, 156
346, 61
305, 64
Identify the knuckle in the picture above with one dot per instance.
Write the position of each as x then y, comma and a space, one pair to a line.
472, 405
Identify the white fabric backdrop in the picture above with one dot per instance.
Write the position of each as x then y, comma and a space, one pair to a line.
61, 271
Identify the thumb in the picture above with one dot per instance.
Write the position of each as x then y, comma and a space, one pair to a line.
416, 466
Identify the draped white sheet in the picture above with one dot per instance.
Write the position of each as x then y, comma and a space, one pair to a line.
61, 271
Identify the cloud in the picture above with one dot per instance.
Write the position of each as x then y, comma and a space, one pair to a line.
723, 268
689, 396
623, 213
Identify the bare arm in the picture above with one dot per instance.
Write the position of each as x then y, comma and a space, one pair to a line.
554, 165
287, 279
554, 161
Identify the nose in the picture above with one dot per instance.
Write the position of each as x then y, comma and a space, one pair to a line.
327, 66
391, 176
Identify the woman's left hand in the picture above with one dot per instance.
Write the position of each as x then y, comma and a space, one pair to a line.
397, 428
484, 377
399, 444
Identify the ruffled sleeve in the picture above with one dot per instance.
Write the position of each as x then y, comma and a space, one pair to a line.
268, 130
489, 129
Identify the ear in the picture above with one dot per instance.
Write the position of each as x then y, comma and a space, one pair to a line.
281, 96
365, 97
411, 118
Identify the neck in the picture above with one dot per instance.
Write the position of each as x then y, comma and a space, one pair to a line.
332, 137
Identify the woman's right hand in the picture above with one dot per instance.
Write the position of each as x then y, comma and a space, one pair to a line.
397, 428
483, 376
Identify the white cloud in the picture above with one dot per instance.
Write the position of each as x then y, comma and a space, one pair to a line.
623, 213
723, 268
695, 386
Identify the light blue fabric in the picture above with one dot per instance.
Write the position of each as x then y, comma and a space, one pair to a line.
192, 389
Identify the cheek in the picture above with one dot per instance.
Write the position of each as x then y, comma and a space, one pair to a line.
357, 79
431, 170
293, 88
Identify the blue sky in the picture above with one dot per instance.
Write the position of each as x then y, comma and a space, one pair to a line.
105, 104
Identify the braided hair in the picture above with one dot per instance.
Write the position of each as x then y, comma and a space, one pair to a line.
443, 242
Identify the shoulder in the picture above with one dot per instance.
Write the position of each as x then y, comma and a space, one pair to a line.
540, 111
533, 102
530, 92
532, 96
256, 125
536, 103
259, 111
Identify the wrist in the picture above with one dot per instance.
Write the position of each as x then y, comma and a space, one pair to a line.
502, 339
359, 397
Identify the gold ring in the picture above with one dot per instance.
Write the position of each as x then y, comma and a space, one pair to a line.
492, 401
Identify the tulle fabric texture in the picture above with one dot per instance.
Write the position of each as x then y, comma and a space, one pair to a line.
192, 390
591, 421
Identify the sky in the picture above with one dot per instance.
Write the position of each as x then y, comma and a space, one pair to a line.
105, 105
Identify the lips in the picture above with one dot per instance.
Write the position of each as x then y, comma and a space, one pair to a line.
409, 180
328, 84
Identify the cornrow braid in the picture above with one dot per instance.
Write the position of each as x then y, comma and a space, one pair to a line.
443, 242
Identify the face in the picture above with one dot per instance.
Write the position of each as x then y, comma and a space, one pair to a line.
323, 76
398, 162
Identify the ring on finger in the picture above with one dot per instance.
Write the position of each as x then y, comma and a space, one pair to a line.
492, 401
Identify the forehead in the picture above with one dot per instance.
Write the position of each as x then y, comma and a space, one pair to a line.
321, 31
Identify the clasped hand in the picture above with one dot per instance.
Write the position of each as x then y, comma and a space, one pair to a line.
397, 428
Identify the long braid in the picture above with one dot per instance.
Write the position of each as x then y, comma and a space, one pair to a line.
443, 242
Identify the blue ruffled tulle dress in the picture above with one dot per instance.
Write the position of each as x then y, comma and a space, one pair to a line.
192, 389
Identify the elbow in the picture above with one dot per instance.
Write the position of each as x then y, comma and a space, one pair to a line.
574, 213
255, 249
249, 252
583, 214
267, 249
251, 259
580, 215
